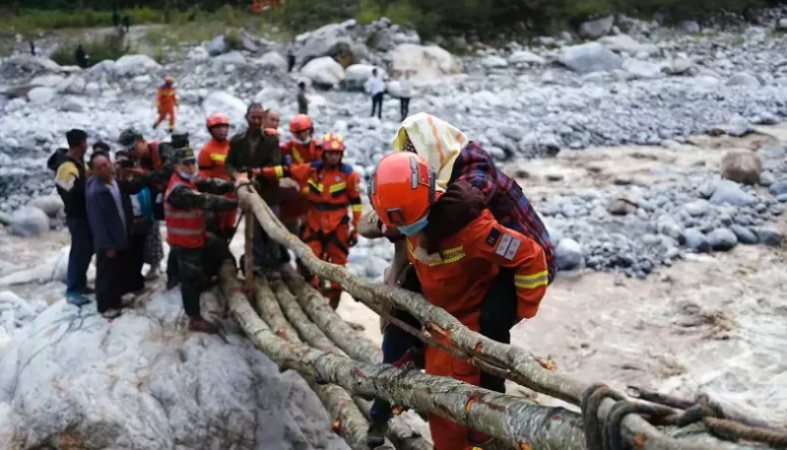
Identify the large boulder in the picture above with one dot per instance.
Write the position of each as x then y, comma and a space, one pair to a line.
741, 166
52, 205
29, 221
597, 28
226, 103
133, 65
142, 381
526, 57
728, 192
569, 255
494, 62
41, 95
625, 43
743, 79
426, 63
589, 57
217, 46
20, 65
356, 75
332, 40
324, 72
105, 67
50, 80
274, 59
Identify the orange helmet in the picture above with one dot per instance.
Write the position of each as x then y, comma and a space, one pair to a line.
401, 189
169, 79
332, 142
217, 119
300, 123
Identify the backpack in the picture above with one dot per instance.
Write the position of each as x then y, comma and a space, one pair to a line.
56, 159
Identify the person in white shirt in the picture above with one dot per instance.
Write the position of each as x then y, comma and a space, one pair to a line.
375, 85
405, 92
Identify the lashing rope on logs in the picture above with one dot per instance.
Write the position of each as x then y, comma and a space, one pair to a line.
608, 436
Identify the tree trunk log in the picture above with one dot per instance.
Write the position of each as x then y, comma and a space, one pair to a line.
525, 367
348, 421
350, 340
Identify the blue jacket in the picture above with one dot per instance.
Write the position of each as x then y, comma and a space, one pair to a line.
105, 221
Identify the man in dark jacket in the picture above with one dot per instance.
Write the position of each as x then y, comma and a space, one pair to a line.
82, 57
110, 215
256, 148
70, 181
199, 253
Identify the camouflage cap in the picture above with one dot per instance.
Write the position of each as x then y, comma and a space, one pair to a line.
180, 140
184, 155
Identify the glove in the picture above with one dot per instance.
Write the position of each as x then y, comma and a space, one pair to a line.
353, 238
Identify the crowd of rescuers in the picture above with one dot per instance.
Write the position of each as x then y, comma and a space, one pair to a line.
465, 235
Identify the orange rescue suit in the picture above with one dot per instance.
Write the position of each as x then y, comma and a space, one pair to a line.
300, 154
457, 278
331, 191
166, 103
211, 165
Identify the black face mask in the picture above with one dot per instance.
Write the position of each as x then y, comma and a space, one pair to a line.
409, 147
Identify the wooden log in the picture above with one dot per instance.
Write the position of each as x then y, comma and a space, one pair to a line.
525, 368
350, 340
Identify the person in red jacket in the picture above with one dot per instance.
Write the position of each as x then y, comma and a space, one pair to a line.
166, 102
301, 149
211, 165
333, 188
457, 249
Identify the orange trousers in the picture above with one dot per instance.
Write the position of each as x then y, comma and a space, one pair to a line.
331, 247
162, 115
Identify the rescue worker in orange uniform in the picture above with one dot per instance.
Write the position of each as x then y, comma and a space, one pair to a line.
301, 149
457, 249
166, 103
211, 165
333, 188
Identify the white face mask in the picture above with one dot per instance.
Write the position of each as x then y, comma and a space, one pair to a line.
185, 176
306, 141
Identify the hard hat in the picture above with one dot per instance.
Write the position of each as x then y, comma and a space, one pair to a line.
300, 122
332, 142
129, 136
402, 188
218, 119
170, 79
184, 155
180, 140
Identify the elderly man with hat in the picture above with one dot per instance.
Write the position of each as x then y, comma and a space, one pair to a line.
199, 255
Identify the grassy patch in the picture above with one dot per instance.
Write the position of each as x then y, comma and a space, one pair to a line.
111, 46
31, 21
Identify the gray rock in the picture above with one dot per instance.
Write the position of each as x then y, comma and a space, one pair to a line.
133, 65
782, 198
230, 58
526, 57
778, 188
730, 192
690, 26
697, 208
668, 226
29, 221
274, 59
768, 236
744, 234
679, 66
41, 95
767, 179
568, 255
641, 69
356, 76
74, 104
696, 241
199, 54
143, 379
217, 46
590, 57
743, 79
597, 28
514, 133
494, 62
625, 43
722, 239
325, 72
622, 207
52, 205
741, 166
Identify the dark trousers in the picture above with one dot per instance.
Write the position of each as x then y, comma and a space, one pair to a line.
80, 255
268, 254
196, 268
404, 106
111, 279
498, 316
136, 259
377, 105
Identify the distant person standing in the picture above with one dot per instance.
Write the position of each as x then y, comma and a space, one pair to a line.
82, 57
126, 23
32, 48
375, 86
405, 92
290, 61
166, 102
303, 102
115, 16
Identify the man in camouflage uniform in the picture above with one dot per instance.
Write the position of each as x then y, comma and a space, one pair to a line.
199, 254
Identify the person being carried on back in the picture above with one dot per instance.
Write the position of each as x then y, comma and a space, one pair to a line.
457, 249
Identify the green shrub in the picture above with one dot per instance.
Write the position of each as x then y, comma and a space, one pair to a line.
112, 46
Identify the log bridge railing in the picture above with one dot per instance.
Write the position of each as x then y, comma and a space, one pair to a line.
292, 324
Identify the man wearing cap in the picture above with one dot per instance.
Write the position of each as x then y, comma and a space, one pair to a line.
199, 255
